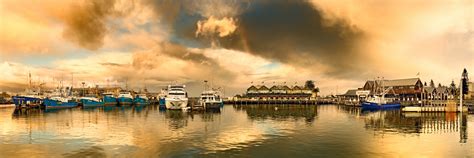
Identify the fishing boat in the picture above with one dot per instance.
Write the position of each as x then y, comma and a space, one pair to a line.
125, 98
379, 101
59, 103
109, 99
91, 102
32, 97
211, 100
161, 99
177, 97
27, 101
141, 99
210, 97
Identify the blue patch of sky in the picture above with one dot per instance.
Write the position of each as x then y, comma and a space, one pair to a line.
47, 60
272, 65
184, 28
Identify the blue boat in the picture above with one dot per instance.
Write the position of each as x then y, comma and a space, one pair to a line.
162, 102
375, 106
125, 98
26, 101
141, 99
379, 102
110, 99
91, 102
59, 103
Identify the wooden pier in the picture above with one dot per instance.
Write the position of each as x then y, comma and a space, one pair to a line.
276, 102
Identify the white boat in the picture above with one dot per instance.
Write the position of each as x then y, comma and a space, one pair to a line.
211, 99
125, 98
176, 98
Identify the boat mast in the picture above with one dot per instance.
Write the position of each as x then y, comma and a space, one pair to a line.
460, 96
72, 84
29, 80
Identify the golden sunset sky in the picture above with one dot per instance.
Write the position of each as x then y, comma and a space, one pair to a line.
338, 44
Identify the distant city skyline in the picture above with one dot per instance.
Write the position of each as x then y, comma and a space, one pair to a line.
337, 44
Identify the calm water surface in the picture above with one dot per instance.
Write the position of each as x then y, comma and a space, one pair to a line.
234, 131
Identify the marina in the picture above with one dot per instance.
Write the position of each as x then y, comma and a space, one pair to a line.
236, 78
234, 130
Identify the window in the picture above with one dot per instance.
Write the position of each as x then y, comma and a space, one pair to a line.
176, 94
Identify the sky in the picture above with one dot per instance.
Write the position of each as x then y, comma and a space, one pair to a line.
233, 44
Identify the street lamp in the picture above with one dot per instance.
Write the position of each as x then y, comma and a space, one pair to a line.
83, 88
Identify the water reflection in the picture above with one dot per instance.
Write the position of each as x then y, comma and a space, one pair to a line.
234, 131
93, 151
279, 112
395, 121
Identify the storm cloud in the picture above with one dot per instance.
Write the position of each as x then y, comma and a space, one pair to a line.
293, 32
191, 64
85, 25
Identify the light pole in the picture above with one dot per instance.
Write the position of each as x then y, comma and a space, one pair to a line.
83, 90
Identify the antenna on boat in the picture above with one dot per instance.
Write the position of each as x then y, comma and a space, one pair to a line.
126, 84
29, 80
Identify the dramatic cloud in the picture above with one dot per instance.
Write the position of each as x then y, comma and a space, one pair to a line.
411, 36
234, 42
211, 26
180, 64
293, 32
85, 25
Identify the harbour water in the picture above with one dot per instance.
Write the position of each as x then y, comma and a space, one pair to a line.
237, 131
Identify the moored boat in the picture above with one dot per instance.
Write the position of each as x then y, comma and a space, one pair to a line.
177, 97
161, 99
91, 102
109, 99
32, 97
379, 101
27, 101
125, 98
141, 99
211, 100
59, 103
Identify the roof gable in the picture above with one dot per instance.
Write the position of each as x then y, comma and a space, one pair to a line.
351, 92
296, 88
263, 87
252, 88
401, 82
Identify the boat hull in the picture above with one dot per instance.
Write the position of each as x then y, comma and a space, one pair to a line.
123, 101
212, 105
369, 105
54, 104
23, 101
90, 103
110, 101
176, 104
140, 101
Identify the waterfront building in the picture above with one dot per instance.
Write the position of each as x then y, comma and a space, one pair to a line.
470, 94
409, 89
440, 96
353, 97
280, 92
96, 90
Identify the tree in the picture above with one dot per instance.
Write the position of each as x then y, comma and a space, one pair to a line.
439, 84
309, 84
432, 84
464, 82
316, 90
452, 84
453, 88
425, 84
